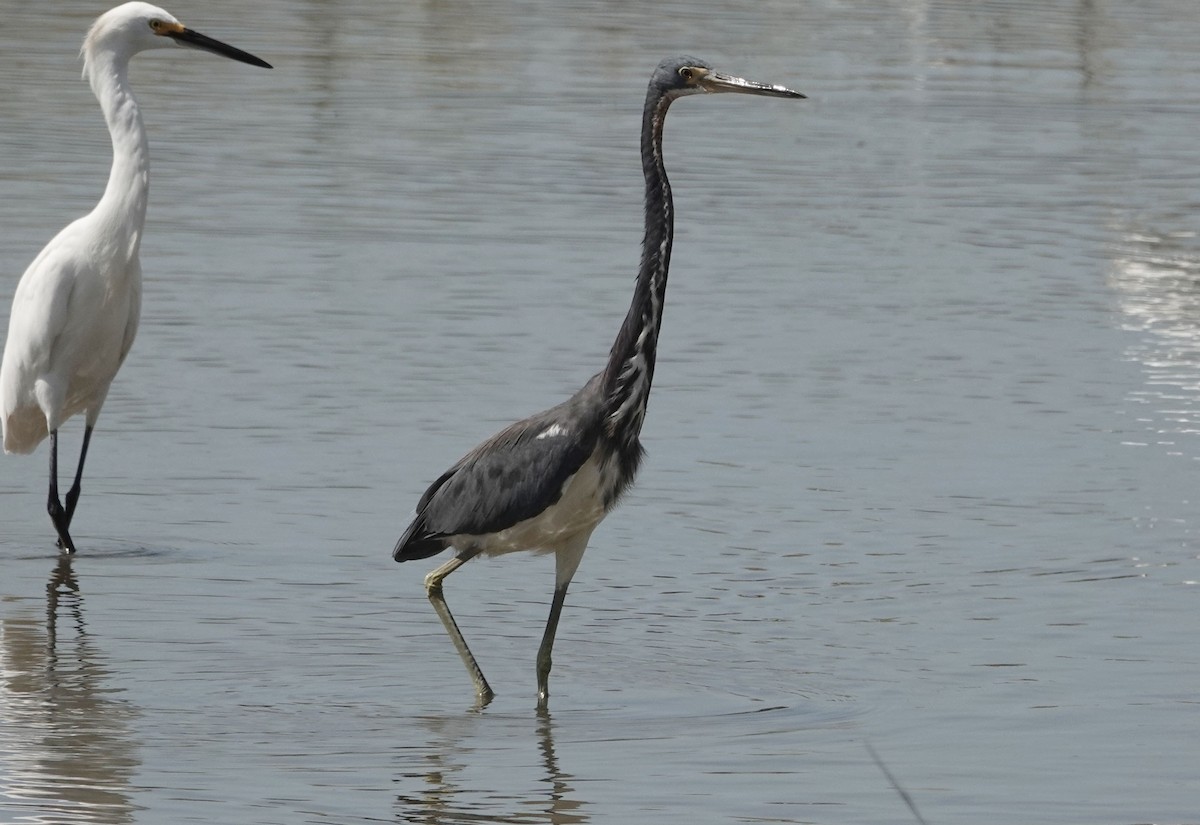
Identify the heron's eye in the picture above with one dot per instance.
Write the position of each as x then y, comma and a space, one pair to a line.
156, 26
686, 73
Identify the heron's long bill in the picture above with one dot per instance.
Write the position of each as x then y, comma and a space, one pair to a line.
718, 82
196, 40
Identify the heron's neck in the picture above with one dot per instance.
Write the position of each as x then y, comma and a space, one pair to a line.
123, 206
630, 369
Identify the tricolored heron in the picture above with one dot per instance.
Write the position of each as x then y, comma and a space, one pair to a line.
75, 311
545, 482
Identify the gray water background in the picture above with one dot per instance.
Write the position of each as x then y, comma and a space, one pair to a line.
923, 445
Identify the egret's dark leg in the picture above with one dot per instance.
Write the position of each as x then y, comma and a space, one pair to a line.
53, 505
543, 655
73, 494
433, 588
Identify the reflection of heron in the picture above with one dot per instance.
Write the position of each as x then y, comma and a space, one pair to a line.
65, 742
896, 786
76, 308
562, 809
545, 482
447, 794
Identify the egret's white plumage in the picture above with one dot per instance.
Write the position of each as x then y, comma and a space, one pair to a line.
75, 310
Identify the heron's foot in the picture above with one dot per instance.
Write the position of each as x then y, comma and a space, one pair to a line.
483, 696
543, 680
483, 691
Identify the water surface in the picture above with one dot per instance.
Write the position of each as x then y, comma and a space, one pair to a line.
923, 443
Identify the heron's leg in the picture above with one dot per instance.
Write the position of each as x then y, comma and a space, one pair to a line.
433, 588
543, 655
73, 494
566, 562
53, 505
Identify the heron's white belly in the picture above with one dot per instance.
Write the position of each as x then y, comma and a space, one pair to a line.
578, 510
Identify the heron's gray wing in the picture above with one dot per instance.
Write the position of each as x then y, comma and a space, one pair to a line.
511, 477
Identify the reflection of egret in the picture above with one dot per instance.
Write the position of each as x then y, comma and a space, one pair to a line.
64, 740
62, 583
1157, 279
545, 482
448, 795
76, 308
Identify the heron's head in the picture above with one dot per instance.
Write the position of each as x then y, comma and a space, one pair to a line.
136, 27
679, 76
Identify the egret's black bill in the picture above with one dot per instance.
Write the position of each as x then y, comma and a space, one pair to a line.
202, 41
718, 82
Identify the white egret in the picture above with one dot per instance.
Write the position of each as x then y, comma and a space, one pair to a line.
75, 310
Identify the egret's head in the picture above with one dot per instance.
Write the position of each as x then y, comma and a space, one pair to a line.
135, 27
679, 76
131, 28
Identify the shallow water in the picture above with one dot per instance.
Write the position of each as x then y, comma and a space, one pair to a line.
923, 444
